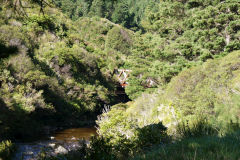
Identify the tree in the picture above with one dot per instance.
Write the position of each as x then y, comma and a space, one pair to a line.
97, 8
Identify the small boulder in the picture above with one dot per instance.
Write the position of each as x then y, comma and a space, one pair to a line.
73, 138
61, 150
52, 145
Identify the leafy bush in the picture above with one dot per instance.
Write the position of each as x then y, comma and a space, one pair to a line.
199, 91
120, 40
125, 135
123, 147
44, 22
7, 148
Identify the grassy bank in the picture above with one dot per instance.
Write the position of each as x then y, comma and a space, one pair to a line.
197, 148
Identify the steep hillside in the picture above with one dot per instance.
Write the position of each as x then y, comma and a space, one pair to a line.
58, 61
53, 71
179, 35
171, 35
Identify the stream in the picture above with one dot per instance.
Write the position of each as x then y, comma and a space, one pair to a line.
59, 142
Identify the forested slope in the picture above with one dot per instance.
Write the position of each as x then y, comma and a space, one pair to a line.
53, 71
180, 35
171, 35
58, 61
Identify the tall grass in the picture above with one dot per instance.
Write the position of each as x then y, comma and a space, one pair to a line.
197, 148
197, 128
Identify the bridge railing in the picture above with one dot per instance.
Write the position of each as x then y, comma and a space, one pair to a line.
122, 76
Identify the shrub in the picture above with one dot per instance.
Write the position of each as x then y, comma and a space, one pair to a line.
125, 133
7, 148
120, 40
43, 22
198, 128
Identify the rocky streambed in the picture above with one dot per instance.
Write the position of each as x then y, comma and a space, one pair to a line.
60, 142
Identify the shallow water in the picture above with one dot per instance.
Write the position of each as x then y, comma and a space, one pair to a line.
74, 134
67, 139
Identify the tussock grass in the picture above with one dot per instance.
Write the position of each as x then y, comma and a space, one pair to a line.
197, 148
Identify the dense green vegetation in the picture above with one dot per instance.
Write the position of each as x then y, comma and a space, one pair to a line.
172, 35
173, 123
57, 68
44, 61
129, 13
180, 36
201, 101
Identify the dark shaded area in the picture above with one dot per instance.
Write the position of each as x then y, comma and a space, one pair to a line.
65, 113
199, 129
193, 4
121, 96
6, 51
90, 73
17, 124
44, 67
152, 134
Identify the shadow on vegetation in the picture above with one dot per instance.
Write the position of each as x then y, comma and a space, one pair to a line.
65, 112
45, 68
197, 129
7, 150
103, 148
15, 123
90, 74
198, 148
7, 51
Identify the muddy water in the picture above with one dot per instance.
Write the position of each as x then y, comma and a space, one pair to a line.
59, 142
74, 134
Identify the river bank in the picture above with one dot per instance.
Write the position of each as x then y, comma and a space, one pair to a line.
60, 142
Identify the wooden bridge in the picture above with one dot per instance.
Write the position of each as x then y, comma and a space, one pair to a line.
122, 76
